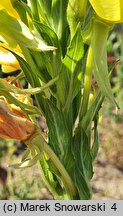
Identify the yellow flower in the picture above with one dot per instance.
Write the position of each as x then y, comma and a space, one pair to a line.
8, 61
109, 10
7, 4
14, 124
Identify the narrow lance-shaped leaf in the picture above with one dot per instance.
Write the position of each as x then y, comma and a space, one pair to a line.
95, 146
10, 88
21, 33
83, 164
44, 7
19, 7
69, 83
59, 134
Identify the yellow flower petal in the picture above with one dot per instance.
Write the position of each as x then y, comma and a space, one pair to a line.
8, 59
7, 69
109, 10
6, 4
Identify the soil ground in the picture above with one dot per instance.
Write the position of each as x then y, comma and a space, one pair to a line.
107, 182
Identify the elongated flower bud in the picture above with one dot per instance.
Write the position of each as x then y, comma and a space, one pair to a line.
14, 124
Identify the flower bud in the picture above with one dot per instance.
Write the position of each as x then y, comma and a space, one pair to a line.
14, 124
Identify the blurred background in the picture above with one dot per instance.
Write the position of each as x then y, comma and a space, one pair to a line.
107, 182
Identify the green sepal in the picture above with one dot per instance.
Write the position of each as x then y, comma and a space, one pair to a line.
92, 111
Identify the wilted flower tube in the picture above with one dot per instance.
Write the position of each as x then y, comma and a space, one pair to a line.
14, 124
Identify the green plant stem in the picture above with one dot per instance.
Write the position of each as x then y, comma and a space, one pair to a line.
87, 82
38, 140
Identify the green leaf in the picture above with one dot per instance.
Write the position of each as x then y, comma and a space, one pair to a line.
81, 184
48, 177
21, 33
26, 8
58, 12
51, 60
69, 83
83, 170
75, 52
32, 77
92, 111
59, 136
47, 33
29, 73
95, 146
11, 88
19, 7
44, 7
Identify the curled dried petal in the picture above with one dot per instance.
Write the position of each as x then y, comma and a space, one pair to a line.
14, 125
